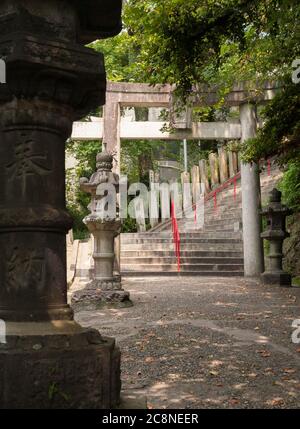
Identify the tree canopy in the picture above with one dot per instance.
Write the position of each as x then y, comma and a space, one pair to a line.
189, 42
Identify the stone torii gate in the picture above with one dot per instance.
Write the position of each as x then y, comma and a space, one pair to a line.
112, 129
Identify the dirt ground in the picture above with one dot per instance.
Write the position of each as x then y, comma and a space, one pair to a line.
206, 342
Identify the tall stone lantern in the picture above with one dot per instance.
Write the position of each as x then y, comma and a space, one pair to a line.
52, 79
105, 225
275, 233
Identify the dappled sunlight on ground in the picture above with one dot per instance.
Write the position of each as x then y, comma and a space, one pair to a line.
202, 343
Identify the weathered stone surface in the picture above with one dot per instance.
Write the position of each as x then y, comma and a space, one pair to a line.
102, 293
105, 227
251, 199
223, 164
204, 175
275, 233
214, 170
233, 163
70, 369
52, 80
291, 246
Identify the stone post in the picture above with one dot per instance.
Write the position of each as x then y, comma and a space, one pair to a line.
48, 361
187, 197
233, 163
185, 177
223, 164
104, 224
275, 233
111, 130
154, 204
214, 170
204, 175
251, 200
195, 173
140, 214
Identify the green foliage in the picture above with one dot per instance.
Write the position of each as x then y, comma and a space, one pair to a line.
280, 135
129, 225
54, 390
290, 185
137, 158
187, 42
84, 153
197, 150
120, 55
180, 40
190, 42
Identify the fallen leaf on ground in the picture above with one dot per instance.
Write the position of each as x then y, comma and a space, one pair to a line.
276, 402
264, 353
252, 375
289, 370
234, 401
149, 359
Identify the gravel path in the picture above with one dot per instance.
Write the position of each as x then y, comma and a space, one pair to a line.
206, 342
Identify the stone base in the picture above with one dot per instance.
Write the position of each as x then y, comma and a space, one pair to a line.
278, 278
58, 365
103, 292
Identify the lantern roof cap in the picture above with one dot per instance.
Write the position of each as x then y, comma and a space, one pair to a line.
275, 196
98, 19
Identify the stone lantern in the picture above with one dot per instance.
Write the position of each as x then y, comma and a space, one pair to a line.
52, 80
105, 225
275, 214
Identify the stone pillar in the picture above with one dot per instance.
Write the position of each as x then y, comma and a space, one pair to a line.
111, 130
204, 175
140, 214
187, 198
48, 361
154, 204
185, 177
111, 137
223, 164
214, 169
251, 200
276, 233
233, 163
195, 173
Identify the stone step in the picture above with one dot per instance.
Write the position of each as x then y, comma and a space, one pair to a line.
201, 238
183, 253
207, 229
125, 273
152, 260
185, 246
222, 207
214, 250
222, 222
195, 234
184, 267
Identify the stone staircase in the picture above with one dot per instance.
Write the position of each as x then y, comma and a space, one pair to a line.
214, 250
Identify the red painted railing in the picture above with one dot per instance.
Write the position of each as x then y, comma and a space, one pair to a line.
176, 235
229, 182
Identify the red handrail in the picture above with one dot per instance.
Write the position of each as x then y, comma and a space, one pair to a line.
176, 235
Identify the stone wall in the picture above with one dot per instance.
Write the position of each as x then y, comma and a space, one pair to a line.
291, 247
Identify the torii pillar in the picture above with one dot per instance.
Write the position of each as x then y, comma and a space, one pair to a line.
251, 200
48, 360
